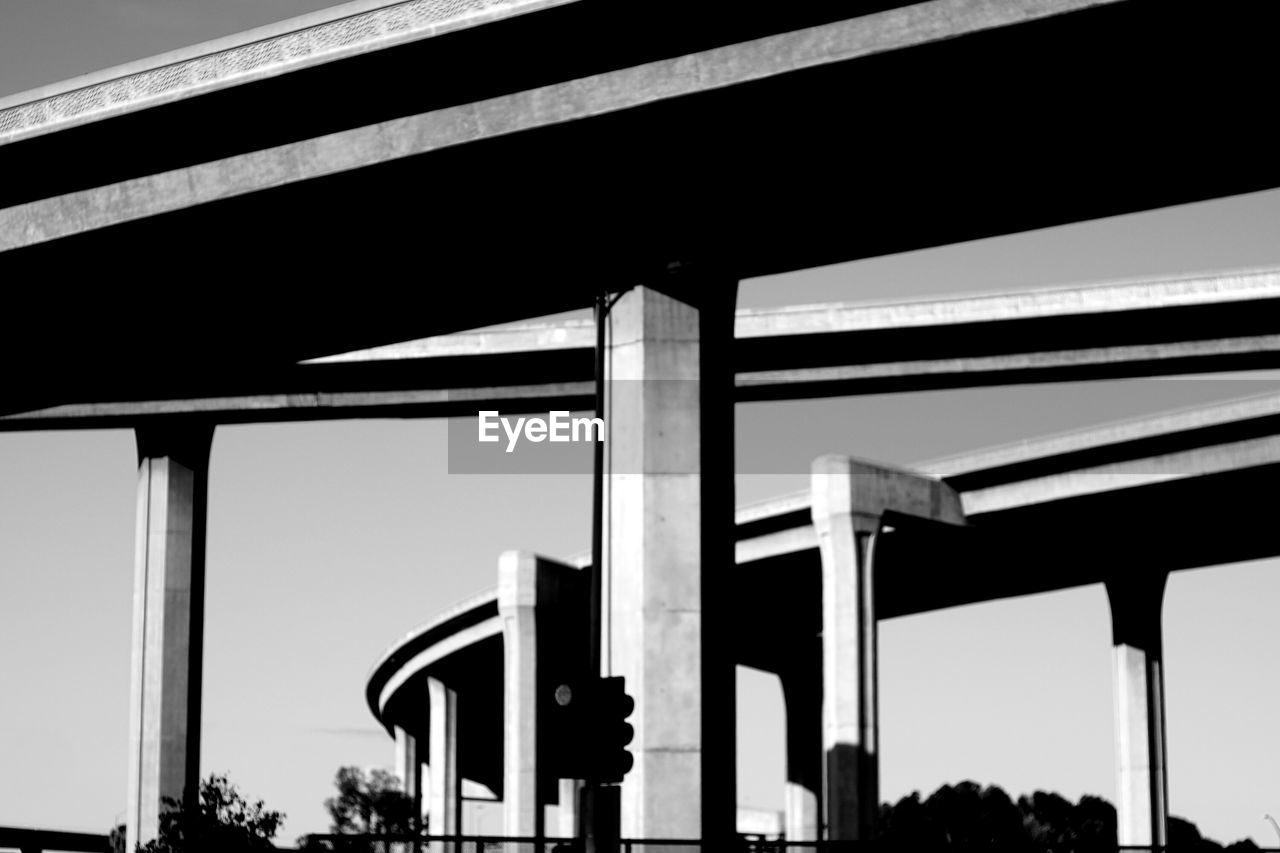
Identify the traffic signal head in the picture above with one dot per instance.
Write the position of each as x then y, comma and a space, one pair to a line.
566, 718
610, 709
586, 729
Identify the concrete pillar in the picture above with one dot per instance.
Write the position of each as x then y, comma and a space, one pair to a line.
542, 604
409, 769
518, 606
1142, 787
849, 726
850, 501
444, 807
802, 693
567, 825
168, 624
669, 549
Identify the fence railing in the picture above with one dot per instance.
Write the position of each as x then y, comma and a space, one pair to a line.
50, 841
41, 840
509, 844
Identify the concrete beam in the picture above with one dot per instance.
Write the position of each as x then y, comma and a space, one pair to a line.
424, 659
1231, 436
669, 523
525, 338
850, 499
1236, 435
599, 94
1129, 474
806, 336
168, 624
824, 348
328, 35
1219, 355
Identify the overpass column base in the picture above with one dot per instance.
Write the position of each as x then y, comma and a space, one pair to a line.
1142, 798
168, 624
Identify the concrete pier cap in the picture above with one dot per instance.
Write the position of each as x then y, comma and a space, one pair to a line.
846, 484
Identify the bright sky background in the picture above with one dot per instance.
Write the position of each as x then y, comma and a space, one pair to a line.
328, 541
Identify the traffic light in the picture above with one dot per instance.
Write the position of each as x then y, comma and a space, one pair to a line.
613, 733
587, 729
566, 752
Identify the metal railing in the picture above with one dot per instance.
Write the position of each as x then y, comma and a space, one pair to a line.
509, 844
40, 840
439, 844
48, 841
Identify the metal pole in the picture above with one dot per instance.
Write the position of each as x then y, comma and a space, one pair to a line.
600, 806
597, 502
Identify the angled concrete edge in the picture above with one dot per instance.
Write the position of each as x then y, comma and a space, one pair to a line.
845, 485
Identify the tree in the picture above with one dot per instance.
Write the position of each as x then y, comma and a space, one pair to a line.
968, 816
374, 805
365, 805
1055, 824
222, 822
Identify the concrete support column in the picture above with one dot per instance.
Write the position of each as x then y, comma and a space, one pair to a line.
540, 603
517, 604
168, 624
444, 806
1142, 787
849, 702
409, 769
567, 825
802, 693
850, 500
669, 550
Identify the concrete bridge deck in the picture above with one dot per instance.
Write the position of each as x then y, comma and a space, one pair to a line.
594, 162
1213, 322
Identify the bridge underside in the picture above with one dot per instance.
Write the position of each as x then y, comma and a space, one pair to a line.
993, 132
479, 712
1042, 548
920, 567
590, 170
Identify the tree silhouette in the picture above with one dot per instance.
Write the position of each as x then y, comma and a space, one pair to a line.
373, 805
222, 822
364, 805
967, 816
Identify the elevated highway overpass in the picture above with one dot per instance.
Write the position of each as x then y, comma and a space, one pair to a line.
1210, 323
187, 235
395, 144
1086, 507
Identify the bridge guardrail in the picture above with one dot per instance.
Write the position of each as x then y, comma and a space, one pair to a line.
41, 840
510, 844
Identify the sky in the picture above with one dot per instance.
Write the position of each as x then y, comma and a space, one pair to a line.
329, 541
